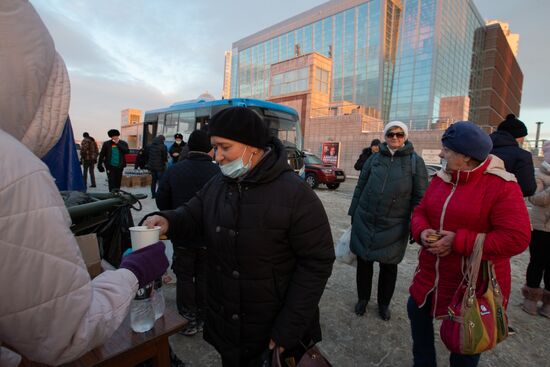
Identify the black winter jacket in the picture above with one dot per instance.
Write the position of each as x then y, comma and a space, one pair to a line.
387, 191
176, 148
516, 160
365, 154
270, 253
157, 155
105, 154
181, 182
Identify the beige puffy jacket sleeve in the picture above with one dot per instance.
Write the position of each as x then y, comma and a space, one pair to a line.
50, 311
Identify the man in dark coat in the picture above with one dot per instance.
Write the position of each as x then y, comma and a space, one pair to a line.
179, 184
111, 158
88, 158
506, 145
176, 147
366, 153
270, 249
157, 156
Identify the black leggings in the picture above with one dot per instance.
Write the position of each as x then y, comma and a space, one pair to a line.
539, 264
386, 281
189, 265
115, 177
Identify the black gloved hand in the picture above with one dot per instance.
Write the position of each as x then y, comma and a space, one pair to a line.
100, 168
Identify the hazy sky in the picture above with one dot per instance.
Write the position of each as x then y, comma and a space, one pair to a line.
148, 54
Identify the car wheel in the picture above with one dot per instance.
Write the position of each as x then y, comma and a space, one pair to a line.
311, 180
333, 186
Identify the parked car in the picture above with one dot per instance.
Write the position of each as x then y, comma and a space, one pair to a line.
131, 157
432, 170
318, 172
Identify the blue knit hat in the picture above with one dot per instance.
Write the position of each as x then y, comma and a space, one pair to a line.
467, 138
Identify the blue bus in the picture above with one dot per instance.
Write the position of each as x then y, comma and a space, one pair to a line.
186, 116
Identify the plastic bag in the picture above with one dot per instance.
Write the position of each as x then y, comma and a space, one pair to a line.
343, 252
114, 236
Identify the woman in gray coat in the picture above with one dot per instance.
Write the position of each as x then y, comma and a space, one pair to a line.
391, 183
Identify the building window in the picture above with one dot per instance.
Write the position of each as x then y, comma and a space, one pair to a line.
321, 80
290, 82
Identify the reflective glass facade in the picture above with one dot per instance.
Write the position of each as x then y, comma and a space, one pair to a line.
434, 58
397, 58
361, 40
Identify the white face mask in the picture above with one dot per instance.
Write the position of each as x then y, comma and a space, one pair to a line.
178, 141
237, 167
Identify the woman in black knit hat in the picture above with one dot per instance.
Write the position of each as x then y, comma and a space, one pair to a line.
507, 142
269, 244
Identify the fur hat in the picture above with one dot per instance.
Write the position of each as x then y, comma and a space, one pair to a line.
467, 138
199, 142
514, 126
398, 124
240, 124
113, 132
546, 151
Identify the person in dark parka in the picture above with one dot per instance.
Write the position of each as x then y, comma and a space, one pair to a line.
391, 184
112, 158
176, 147
506, 145
366, 153
269, 244
157, 156
179, 184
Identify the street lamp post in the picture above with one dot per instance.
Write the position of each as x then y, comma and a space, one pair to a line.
538, 135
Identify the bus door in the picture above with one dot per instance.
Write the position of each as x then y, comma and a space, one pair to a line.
149, 132
201, 122
202, 116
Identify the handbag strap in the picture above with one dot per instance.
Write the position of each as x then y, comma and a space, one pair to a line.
276, 360
474, 263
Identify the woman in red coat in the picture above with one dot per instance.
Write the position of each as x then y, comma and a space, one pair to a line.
473, 194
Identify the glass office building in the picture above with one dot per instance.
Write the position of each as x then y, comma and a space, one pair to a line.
437, 59
359, 36
398, 58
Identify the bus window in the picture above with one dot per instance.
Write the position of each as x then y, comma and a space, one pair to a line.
171, 124
284, 126
187, 124
202, 121
160, 124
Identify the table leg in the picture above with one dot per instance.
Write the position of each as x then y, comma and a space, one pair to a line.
162, 358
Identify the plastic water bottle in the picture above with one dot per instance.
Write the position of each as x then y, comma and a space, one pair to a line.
142, 316
158, 299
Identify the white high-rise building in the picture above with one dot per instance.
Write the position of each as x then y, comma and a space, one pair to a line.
226, 92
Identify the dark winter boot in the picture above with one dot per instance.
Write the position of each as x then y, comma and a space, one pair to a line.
361, 307
545, 309
384, 312
532, 297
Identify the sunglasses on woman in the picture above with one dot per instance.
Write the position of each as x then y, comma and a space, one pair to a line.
399, 135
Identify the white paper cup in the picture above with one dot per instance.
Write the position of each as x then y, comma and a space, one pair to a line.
141, 236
